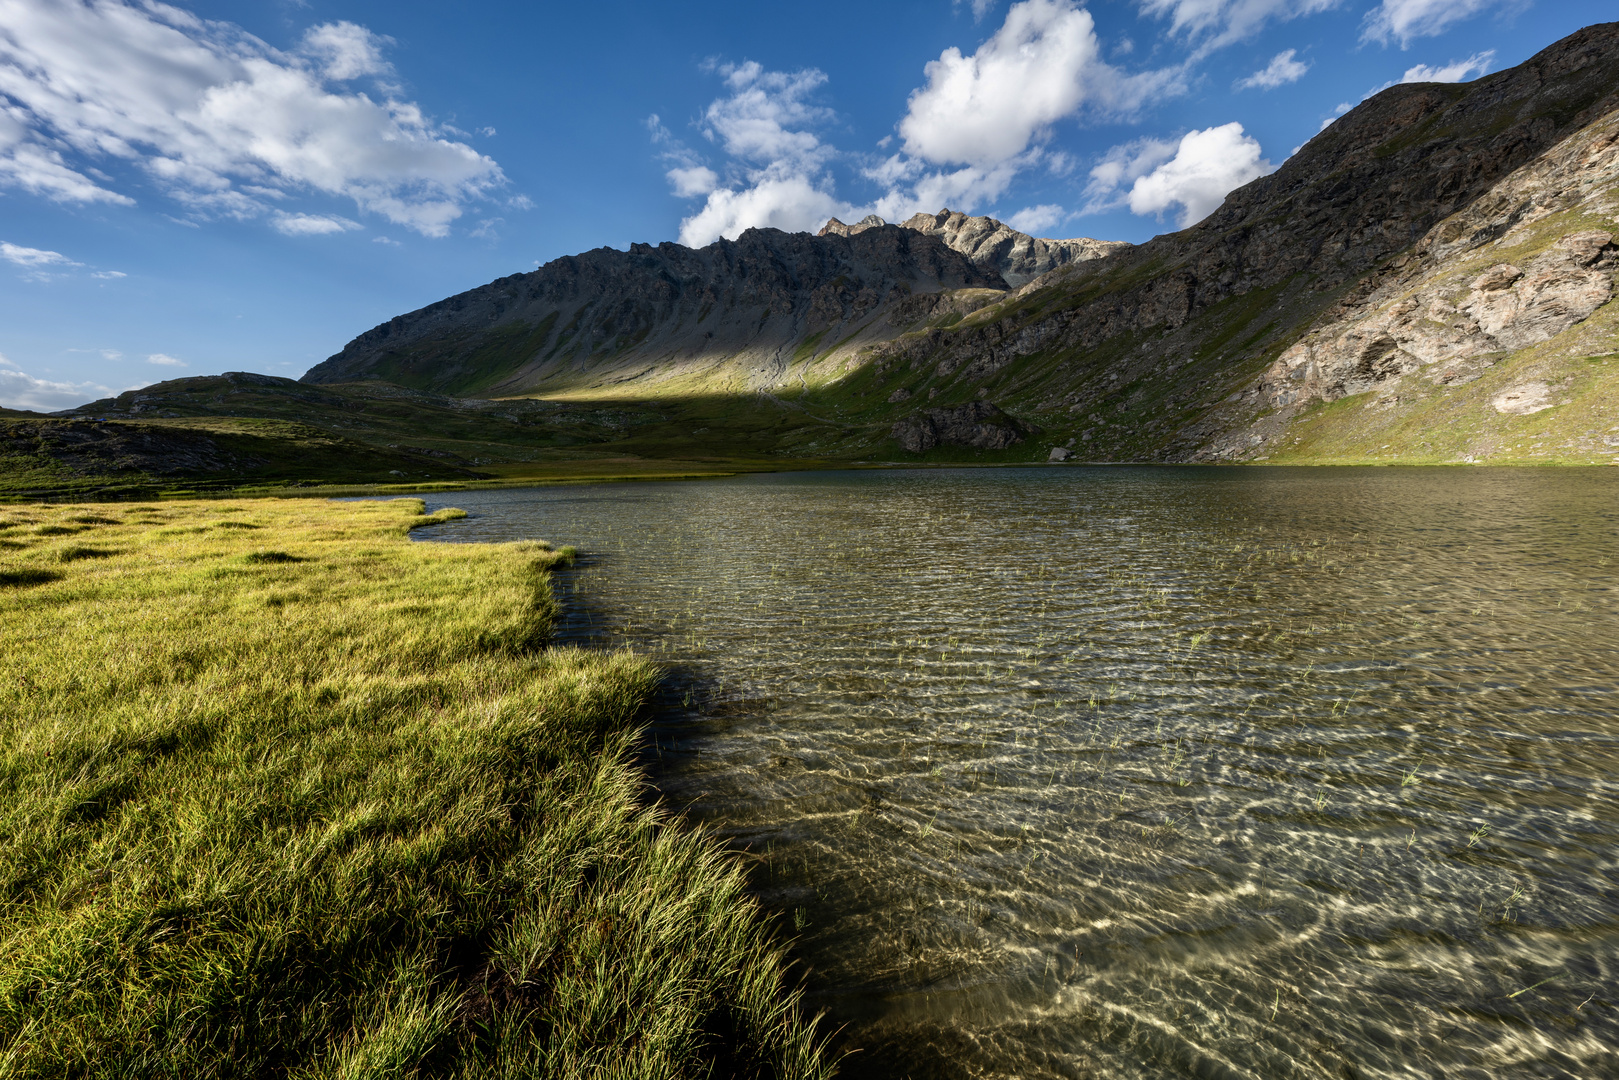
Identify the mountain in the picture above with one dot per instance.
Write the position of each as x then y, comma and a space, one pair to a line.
1430, 278
732, 317
1437, 236
992, 246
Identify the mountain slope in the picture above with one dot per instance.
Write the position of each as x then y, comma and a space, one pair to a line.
875, 335
1143, 350
730, 317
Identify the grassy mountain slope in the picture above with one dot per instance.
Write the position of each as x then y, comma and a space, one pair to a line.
1156, 352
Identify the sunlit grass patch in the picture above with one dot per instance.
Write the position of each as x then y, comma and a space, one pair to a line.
334, 811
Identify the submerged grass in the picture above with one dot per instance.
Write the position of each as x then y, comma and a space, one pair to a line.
282, 793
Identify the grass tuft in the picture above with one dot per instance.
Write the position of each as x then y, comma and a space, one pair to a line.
346, 817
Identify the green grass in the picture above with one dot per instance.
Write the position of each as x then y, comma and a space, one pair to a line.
285, 794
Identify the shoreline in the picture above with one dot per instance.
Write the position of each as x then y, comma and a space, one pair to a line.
341, 803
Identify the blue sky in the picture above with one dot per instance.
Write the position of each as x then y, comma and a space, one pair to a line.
220, 186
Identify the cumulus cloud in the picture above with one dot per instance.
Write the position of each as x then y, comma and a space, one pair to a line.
693, 180
976, 122
1406, 20
790, 203
165, 360
312, 224
1035, 220
346, 51
1281, 70
912, 187
1120, 167
19, 390
1194, 174
1041, 66
779, 176
1455, 71
1214, 24
215, 117
989, 114
764, 117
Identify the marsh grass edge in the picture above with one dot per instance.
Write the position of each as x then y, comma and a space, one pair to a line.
283, 793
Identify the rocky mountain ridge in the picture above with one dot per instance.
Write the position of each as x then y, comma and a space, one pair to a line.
1154, 347
1333, 277
1448, 316
730, 315
992, 245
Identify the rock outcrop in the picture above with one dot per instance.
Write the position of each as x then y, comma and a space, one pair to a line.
978, 424
992, 245
1452, 306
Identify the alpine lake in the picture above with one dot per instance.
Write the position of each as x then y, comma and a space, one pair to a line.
1131, 772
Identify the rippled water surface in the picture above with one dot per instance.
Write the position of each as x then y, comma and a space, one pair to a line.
1145, 772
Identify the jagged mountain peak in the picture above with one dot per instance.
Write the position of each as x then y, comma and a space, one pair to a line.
991, 244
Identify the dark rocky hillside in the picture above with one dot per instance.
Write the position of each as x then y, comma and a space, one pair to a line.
729, 316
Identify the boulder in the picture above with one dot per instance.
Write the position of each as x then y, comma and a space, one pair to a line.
979, 424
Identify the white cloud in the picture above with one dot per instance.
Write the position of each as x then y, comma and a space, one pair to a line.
1453, 72
1203, 167
1217, 23
1281, 70
165, 360
693, 180
975, 124
38, 168
782, 183
33, 257
109, 275
1122, 166
787, 202
912, 188
386, 240
311, 224
1406, 20
1035, 220
346, 51
1042, 65
19, 390
215, 117
761, 120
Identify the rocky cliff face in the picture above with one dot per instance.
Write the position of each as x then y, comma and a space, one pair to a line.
1453, 305
730, 315
991, 245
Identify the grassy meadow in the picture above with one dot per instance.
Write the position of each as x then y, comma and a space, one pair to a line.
285, 794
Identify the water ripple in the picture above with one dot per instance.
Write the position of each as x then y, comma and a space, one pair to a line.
1145, 772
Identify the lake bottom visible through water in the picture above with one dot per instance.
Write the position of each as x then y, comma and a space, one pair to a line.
1143, 772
